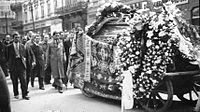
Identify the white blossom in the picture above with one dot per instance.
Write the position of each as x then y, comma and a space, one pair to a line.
149, 43
149, 34
161, 34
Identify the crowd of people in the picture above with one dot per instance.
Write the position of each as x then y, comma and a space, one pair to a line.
33, 55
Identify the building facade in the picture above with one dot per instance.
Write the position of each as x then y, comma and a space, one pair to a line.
6, 16
17, 23
39, 16
73, 13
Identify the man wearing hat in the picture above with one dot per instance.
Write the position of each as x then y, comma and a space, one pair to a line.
17, 66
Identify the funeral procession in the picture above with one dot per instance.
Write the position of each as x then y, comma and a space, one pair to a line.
99, 56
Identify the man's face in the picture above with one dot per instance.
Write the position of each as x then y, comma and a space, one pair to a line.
46, 38
16, 38
37, 39
56, 36
8, 38
24, 40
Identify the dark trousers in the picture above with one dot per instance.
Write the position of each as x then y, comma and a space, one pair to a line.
65, 79
4, 68
38, 71
47, 75
28, 74
19, 73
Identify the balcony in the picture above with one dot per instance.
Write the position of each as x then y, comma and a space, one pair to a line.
16, 6
79, 6
17, 24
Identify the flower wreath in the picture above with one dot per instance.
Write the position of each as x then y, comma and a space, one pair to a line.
147, 45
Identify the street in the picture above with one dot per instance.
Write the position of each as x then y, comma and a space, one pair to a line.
72, 100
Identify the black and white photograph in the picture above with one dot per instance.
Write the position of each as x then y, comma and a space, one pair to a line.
99, 56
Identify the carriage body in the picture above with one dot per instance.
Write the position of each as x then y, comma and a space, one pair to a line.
178, 81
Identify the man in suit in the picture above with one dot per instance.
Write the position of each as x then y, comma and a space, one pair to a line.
67, 45
38, 70
30, 58
17, 66
47, 74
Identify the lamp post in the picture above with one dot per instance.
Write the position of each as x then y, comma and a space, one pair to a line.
6, 18
31, 6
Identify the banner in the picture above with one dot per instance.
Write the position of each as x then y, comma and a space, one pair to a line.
87, 58
127, 91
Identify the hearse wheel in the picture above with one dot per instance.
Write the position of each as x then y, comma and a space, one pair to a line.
156, 103
85, 92
193, 94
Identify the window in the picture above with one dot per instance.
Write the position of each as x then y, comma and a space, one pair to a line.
48, 9
42, 11
36, 14
26, 17
31, 17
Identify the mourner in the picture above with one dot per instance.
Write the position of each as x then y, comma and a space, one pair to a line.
7, 40
30, 57
55, 57
3, 58
17, 66
38, 70
47, 72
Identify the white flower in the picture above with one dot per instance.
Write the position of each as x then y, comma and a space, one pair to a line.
149, 34
150, 26
157, 47
128, 45
149, 72
141, 89
154, 81
166, 53
137, 52
157, 61
136, 66
161, 34
149, 43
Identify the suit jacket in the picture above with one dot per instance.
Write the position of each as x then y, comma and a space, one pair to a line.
39, 54
30, 56
12, 56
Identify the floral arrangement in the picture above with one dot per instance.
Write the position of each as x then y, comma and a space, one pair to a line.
108, 10
147, 47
